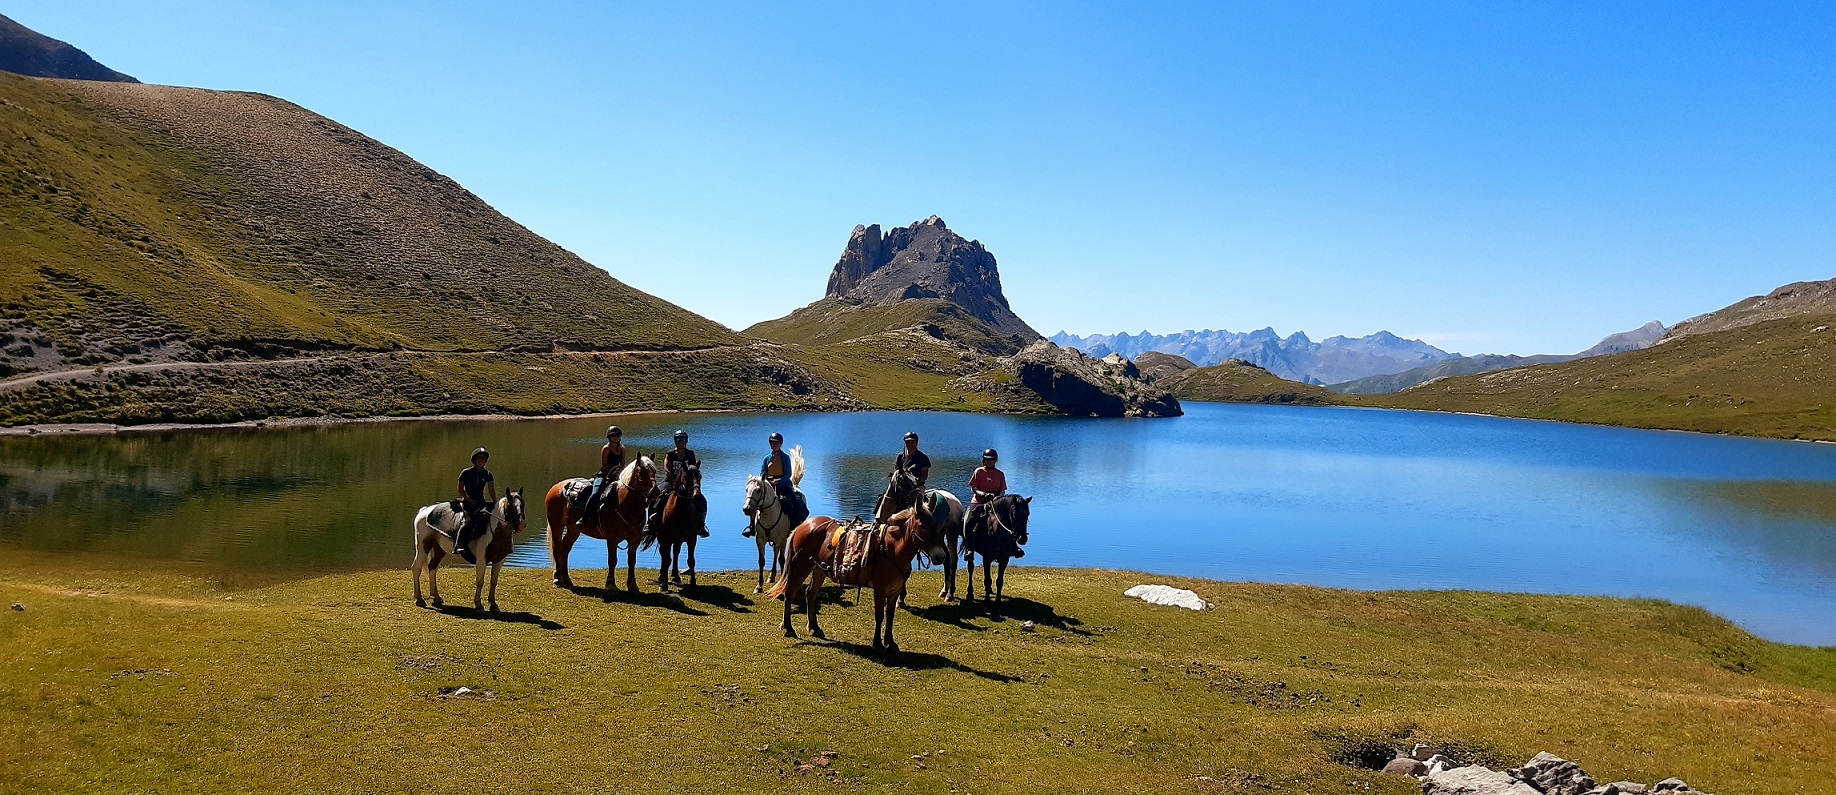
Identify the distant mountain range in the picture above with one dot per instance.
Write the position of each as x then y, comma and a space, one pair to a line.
1294, 357
1637, 339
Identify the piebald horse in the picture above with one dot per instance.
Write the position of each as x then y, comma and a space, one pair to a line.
435, 527
769, 522
620, 520
902, 492
908, 534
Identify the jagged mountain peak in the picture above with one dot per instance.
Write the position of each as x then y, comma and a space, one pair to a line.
926, 260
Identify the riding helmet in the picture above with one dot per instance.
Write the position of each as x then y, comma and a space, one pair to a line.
990, 455
480, 452
911, 436
614, 432
777, 437
681, 435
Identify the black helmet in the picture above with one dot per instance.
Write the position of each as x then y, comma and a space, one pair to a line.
614, 432
480, 452
777, 437
911, 436
990, 455
681, 434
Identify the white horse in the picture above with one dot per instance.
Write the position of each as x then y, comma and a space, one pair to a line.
435, 527
768, 521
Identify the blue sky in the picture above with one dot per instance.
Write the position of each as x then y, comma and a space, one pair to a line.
1518, 178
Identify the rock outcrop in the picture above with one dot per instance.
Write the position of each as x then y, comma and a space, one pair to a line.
1080, 386
1797, 298
1546, 774
925, 260
1637, 339
27, 52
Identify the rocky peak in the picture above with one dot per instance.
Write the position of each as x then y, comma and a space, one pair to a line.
924, 260
27, 52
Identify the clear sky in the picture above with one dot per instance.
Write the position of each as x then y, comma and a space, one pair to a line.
1514, 178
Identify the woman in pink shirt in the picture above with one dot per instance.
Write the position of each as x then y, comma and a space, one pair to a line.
987, 483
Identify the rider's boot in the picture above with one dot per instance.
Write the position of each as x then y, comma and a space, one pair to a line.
748, 532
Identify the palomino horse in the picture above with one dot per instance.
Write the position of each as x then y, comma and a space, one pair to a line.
907, 534
683, 518
435, 527
769, 522
620, 520
1003, 533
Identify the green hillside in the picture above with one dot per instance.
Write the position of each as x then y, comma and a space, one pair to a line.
1773, 378
1235, 381
831, 320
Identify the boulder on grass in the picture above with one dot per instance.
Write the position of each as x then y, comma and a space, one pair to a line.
1404, 766
1553, 775
1474, 780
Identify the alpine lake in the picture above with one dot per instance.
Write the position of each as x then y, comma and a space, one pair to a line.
1349, 498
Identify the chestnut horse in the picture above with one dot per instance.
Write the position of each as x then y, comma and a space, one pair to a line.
902, 492
620, 520
1003, 533
684, 515
907, 534
435, 527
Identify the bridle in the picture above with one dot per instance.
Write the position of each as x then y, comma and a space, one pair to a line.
758, 512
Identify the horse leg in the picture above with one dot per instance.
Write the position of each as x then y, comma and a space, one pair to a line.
987, 582
630, 565
560, 542
774, 561
691, 561
663, 566
969, 574
495, 568
433, 574
1001, 580
478, 571
879, 617
814, 597
419, 565
948, 593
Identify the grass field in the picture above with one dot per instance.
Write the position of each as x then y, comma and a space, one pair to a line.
121, 681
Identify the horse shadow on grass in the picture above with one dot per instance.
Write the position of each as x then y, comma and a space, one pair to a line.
1010, 608
909, 660
667, 601
716, 596
511, 617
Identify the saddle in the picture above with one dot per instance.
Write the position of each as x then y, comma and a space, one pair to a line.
578, 491
853, 545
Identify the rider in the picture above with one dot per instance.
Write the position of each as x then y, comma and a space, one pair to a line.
987, 483
611, 461
777, 471
913, 461
675, 467
477, 492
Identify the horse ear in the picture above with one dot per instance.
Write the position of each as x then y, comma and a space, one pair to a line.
1027, 500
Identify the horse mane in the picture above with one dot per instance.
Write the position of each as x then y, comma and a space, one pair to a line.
796, 465
630, 470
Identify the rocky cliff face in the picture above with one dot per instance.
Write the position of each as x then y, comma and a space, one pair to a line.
1080, 386
924, 260
1798, 298
27, 52
1637, 339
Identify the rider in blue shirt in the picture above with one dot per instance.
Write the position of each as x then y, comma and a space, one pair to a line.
777, 471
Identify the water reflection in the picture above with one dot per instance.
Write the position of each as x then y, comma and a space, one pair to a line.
1342, 497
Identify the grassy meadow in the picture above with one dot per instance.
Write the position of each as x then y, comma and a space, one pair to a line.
118, 680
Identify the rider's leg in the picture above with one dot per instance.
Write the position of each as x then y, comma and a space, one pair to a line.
701, 504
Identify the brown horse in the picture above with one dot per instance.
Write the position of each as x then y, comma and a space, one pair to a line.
621, 520
684, 514
907, 534
1003, 532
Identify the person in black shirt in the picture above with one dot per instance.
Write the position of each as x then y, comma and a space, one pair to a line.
611, 462
675, 467
477, 492
913, 461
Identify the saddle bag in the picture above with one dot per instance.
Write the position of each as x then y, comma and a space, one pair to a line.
853, 546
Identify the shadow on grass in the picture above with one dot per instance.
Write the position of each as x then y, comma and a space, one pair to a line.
666, 601
1010, 608
911, 660
717, 596
519, 617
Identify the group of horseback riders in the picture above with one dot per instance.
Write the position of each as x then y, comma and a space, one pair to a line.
478, 490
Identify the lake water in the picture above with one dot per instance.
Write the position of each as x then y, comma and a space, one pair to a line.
1339, 497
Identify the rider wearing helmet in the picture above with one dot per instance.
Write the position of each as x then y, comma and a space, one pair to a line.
675, 467
913, 461
477, 491
777, 471
611, 461
987, 483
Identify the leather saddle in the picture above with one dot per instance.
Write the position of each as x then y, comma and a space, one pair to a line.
853, 545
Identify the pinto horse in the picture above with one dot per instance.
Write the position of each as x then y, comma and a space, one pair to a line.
902, 492
1003, 532
684, 514
907, 534
620, 520
435, 527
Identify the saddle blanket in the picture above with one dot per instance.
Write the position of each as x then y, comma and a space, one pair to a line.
577, 490
853, 545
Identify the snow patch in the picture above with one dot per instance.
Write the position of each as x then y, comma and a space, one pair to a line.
1169, 596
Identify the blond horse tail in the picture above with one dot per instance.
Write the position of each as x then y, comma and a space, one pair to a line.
796, 465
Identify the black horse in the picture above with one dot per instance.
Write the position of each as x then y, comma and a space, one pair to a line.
997, 534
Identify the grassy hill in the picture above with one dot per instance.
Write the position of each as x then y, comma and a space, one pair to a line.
1771, 378
831, 320
1235, 381
132, 680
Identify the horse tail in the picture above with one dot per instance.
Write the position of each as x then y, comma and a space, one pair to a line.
777, 588
796, 465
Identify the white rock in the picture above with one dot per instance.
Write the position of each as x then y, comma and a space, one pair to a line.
1474, 780
1169, 596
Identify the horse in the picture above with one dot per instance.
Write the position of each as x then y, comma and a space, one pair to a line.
435, 527
902, 492
620, 520
683, 517
766, 517
1006, 518
906, 534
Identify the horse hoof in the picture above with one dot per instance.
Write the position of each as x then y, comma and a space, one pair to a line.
478, 606
563, 582
420, 603
892, 648
790, 633
493, 607
818, 634
438, 603
758, 590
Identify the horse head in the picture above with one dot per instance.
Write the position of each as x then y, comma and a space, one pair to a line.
512, 508
639, 476
756, 491
901, 488
1012, 512
915, 522
690, 483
